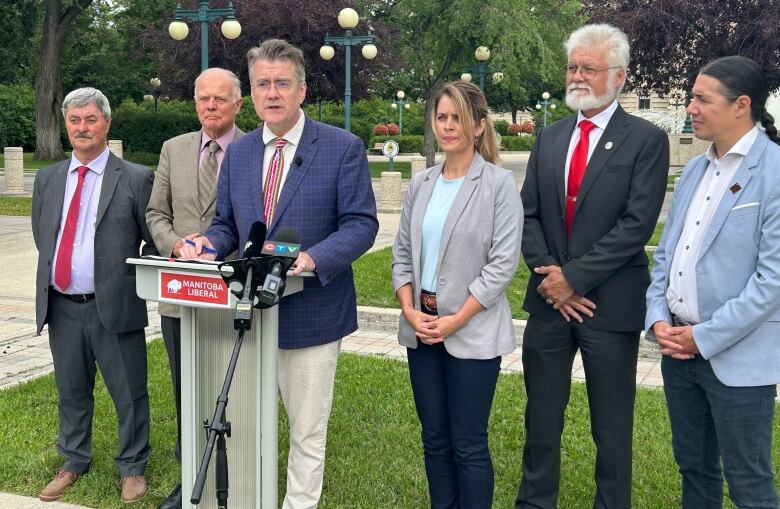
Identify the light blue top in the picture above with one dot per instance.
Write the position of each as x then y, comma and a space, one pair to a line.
433, 223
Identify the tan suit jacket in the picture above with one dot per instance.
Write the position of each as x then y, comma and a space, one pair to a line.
174, 209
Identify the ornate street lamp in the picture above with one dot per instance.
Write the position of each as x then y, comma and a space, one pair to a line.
155, 84
348, 19
178, 29
546, 102
482, 54
400, 105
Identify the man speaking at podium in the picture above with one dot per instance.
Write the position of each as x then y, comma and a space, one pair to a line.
314, 180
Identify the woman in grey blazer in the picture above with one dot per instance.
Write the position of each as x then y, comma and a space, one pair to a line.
457, 249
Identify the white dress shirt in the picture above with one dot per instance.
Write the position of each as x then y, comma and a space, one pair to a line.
293, 137
601, 120
682, 293
82, 272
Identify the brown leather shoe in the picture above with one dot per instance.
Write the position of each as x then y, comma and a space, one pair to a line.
133, 488
57, 487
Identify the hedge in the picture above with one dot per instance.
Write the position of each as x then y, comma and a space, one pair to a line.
17, 126
517, 143
411, 143
146, 131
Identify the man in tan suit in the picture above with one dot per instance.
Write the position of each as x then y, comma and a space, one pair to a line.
183, 197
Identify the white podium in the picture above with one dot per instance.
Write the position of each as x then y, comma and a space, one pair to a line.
207, 341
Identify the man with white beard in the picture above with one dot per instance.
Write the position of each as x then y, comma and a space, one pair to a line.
592, 193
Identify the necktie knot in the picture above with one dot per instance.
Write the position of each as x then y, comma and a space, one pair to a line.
212, 146
280, 142
82, 170
586, 126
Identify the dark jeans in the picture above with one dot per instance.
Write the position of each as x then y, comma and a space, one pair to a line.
609, 359
713, 424
453, 398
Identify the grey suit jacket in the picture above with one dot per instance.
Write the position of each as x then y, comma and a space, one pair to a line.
120, 228
478, 255
174, 209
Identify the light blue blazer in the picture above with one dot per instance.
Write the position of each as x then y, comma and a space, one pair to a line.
478, 255
737, 273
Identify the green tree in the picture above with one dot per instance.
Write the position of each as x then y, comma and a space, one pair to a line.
19, 25
436, 39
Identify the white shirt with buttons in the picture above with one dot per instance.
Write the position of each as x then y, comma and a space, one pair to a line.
681, 295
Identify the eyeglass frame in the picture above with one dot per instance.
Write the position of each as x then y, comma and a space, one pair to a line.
281, 85
586, 72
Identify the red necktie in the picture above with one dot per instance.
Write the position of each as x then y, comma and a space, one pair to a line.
273, 180
579, 161
65, 253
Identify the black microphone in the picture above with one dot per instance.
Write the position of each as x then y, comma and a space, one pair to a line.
283, 251
297, 161
254, 244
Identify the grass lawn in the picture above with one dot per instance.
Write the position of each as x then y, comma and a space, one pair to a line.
377, 167
29, 162
374, 453
15, 205
656, 237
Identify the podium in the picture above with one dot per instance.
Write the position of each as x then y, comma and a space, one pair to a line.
207, 340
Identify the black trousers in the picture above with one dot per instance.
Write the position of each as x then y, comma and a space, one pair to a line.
171, 330
609, 360
79, 344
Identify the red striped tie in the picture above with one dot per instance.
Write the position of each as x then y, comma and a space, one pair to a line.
579, 161
273, 180
65, 253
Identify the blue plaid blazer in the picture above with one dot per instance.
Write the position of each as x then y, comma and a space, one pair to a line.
328, 200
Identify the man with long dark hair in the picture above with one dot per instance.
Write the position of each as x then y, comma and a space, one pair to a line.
714, 302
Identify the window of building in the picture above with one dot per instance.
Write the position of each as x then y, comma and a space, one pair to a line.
644, 103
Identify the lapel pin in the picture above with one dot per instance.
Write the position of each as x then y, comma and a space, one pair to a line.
735, 188
608, 145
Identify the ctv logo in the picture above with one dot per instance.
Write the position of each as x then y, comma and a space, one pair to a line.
280, 248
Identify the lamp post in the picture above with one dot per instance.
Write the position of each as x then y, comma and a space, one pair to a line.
155, 84
482, 54
178, 29
348, 19
400, 105
678, 101
545, 102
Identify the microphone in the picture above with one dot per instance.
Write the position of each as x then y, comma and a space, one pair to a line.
283, 251
297, 161
254, 242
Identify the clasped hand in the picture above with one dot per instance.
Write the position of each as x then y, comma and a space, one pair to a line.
432, 329
557, 292
676, 342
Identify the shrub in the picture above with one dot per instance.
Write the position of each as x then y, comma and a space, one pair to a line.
518, 143
514, 129
527, 127
501, 127
17, 128
393, 129
406, 143
146, 131
380, 130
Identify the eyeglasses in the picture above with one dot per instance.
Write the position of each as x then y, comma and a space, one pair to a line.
587, 72
281, 85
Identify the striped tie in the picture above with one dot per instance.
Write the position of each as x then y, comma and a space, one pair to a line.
273, 180
207, 176
65, 253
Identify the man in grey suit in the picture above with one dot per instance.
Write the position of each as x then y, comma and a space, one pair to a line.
594, 187
87, 219
183, 198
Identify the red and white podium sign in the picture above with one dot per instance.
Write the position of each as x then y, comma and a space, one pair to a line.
184, 288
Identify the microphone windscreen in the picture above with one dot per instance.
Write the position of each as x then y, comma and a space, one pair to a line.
287, 235
254, 243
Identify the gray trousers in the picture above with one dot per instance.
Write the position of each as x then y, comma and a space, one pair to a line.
79, 343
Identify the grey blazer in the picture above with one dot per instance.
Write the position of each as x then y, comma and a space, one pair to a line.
479, 253
174, 209
119, 230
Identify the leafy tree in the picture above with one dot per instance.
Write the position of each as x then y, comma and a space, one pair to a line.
672, 39
19, 24
436, 39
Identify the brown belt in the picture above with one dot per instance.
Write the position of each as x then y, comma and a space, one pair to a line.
428, 303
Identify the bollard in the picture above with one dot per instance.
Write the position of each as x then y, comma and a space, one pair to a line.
418, 164
14, 170
115, 146
391, 191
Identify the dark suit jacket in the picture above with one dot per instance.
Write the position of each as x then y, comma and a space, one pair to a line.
617, 208
120, 228
328, 200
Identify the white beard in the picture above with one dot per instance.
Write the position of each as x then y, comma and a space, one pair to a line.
590, 101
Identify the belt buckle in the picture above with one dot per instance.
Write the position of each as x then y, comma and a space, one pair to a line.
429, 301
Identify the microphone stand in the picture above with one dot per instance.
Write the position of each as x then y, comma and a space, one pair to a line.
219, 425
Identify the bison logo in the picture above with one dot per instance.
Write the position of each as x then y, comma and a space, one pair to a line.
174, 285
